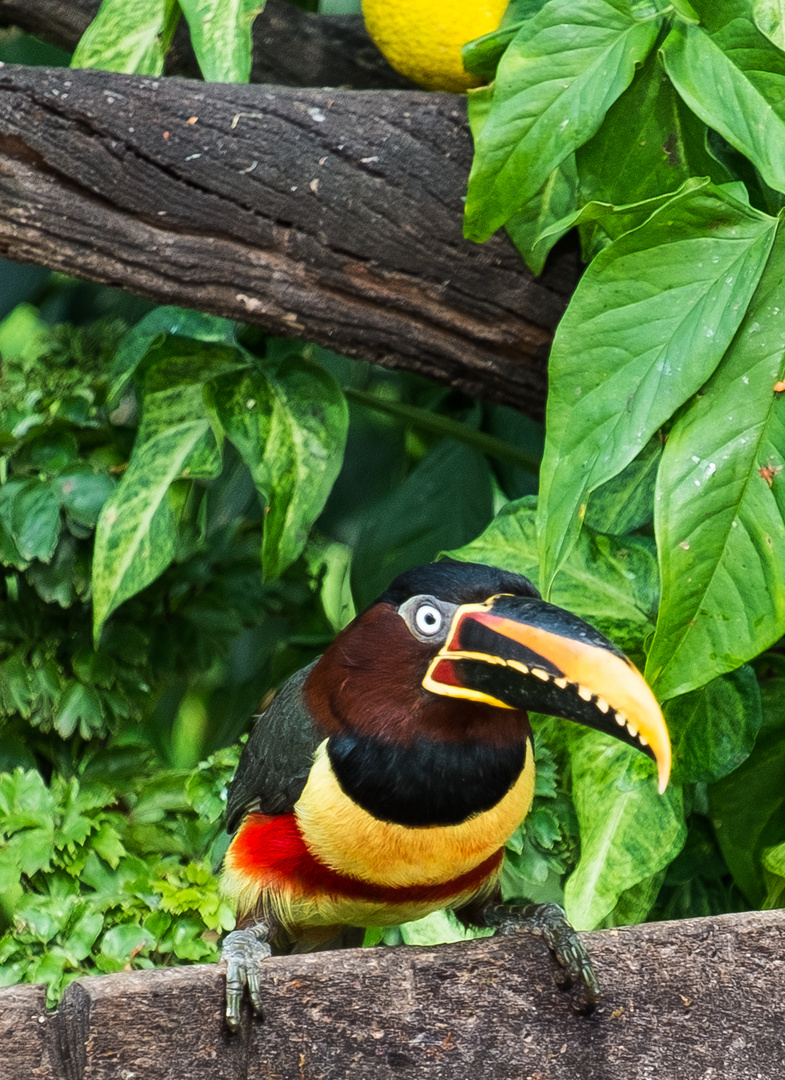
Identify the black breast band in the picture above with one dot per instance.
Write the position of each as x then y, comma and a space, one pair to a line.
428, 783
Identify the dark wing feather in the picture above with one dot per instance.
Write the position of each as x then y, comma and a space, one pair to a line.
277, 758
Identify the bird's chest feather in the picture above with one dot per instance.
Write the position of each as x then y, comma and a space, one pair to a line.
417, 834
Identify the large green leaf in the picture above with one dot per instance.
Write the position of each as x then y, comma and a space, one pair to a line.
289, 424
713, 729
647, 325
128, 35
720, 508
554, 84
221, 36
733, 78
748, 806
136, 534
629, 833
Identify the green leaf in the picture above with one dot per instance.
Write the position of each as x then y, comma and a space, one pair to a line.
107, 842
720, 516
53, 451
629, 833
121, 943
83, 493
289, 425
128, 35
25, 800
769, 16
221, 36
731, 76
713, 729
30, 511
774, 866
647, 325
82, 934
748, 806
136, 535
554, 84
79, 707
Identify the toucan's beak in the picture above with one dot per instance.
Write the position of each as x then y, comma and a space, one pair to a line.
523, 653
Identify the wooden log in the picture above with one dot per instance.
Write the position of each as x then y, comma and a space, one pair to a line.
702, 999
331, 216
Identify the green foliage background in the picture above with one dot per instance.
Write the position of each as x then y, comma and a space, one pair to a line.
189, 510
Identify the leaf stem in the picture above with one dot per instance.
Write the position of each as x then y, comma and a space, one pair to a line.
448, 428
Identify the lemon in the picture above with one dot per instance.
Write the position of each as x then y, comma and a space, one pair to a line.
422, 38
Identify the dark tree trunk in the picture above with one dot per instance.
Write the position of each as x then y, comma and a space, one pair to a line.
331, 216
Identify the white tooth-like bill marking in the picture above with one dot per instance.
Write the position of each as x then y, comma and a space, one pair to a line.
602, 705
561, 683
584, 693
540, 674
621, 719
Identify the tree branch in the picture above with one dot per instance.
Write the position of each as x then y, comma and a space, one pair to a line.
291, 47
689, 1000
332, 216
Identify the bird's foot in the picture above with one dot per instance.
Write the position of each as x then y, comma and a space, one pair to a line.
243, 951
550, 922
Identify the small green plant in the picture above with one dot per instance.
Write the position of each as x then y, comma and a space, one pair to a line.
109, 870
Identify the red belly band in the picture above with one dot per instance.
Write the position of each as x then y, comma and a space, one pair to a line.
272, 850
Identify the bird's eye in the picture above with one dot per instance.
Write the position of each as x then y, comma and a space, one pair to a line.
427, 617
428, 620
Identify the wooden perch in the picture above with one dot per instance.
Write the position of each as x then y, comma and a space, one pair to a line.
292, 47
701, 999
330, 216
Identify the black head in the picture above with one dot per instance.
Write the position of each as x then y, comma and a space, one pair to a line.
456, 583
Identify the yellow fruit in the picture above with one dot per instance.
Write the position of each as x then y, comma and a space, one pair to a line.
422, 38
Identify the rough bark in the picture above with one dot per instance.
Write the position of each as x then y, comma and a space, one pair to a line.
291, 47
332, 216
701, 999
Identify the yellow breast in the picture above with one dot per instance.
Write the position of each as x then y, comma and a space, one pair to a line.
348, 839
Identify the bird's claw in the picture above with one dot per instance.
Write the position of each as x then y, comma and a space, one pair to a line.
550, 922
243, 951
